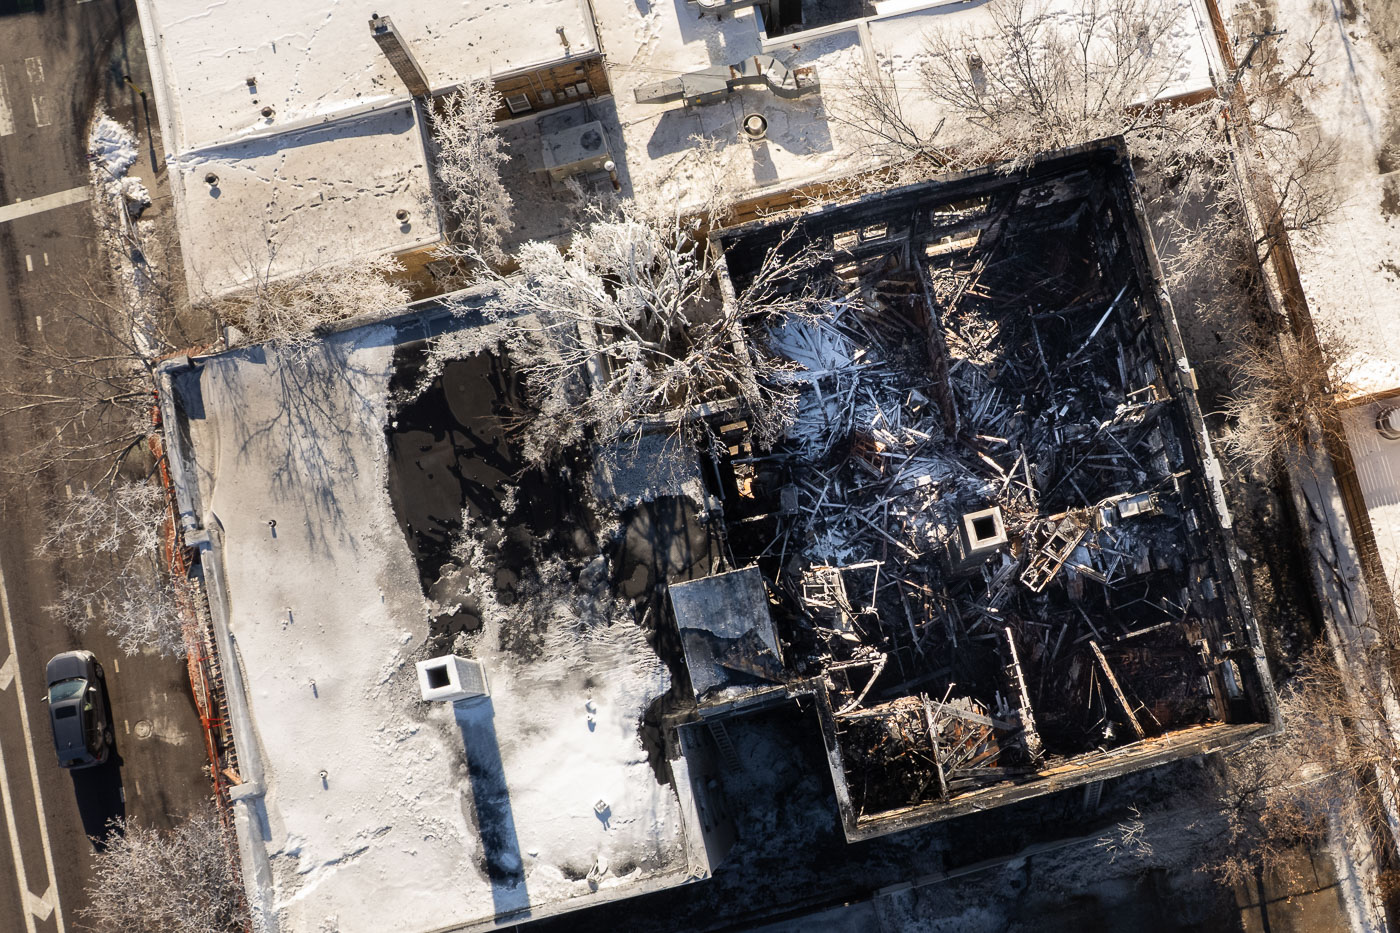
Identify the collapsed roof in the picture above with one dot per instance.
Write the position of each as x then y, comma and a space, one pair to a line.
998, 549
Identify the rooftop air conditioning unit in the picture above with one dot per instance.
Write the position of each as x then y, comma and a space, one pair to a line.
1388, 423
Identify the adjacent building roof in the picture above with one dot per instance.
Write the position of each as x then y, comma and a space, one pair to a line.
221, 64
369, 808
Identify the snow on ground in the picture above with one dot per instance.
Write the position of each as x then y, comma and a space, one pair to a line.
118, 204
384, 814
1349, 271
313, 197
307, 60
112, 145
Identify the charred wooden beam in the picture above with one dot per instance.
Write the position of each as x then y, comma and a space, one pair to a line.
1118, 694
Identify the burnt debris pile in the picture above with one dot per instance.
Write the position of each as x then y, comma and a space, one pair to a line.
990, 534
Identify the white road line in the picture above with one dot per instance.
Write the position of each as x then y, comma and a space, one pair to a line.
7, 672
7, 116
46, 259
126, 724
35, 67
33, 768
14, 840
39, 322
28, 263
117, 664
46, 203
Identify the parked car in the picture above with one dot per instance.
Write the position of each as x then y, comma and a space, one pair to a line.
82, 728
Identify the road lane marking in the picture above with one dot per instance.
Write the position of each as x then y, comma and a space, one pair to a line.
7, 116
7, 672
117, 665
33, 773
15, 853
42, 907
39, 322
28, 263
40, 100
46, 259
47, 202
126, 724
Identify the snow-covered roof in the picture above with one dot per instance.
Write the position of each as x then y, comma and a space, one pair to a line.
383, 812
806, 138
285, 203
311, 59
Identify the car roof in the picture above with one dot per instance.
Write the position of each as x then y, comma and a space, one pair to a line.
68, 731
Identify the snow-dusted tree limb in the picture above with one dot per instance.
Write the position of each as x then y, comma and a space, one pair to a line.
467, 157
109, 540
182, 881
630, 324
124, 517
294, 312
1044, 80
81, 389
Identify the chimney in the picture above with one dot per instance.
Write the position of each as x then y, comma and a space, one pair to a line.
396, 50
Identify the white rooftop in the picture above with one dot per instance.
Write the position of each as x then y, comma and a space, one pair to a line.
310, 59
384, 812
290, 202
806, 138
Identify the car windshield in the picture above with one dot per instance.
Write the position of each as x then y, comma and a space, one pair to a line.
66, 689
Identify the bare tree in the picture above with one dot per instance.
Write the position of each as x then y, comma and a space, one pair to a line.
1336, 750
1043, 80
1296, 159
1285, 386
80, 387
468, 158
631, 323
182, 881
109, 538
294, 312
121, 518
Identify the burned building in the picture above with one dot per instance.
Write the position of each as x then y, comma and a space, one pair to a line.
995, 545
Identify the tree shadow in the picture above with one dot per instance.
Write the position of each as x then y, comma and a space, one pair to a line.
495, 819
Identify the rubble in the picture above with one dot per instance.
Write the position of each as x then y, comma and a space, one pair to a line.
991, 534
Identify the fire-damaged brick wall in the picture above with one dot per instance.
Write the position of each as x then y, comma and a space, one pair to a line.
555, 86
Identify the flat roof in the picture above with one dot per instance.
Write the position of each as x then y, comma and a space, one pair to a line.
381, 811
312, 59
807, 138
286, 203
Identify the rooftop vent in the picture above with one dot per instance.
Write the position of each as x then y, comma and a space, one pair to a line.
1388, 423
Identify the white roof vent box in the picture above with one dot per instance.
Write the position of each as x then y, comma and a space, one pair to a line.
450, 678
1388, 423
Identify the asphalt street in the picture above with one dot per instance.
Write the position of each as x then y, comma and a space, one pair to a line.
57, 57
